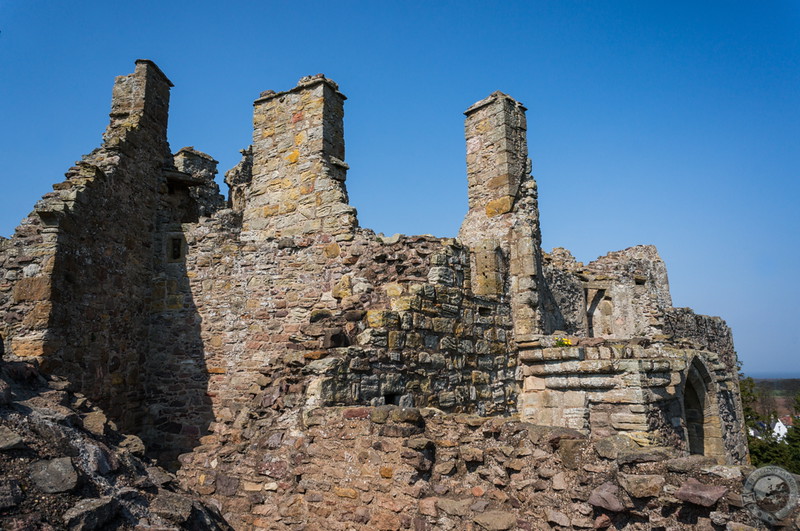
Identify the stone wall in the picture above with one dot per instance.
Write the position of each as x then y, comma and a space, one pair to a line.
85, 255
391, 468
89, 274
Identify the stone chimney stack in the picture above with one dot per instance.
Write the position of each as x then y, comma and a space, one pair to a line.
497, 167
298, 168
501, 227
139, 100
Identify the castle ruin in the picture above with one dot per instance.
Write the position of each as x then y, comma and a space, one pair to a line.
202, 324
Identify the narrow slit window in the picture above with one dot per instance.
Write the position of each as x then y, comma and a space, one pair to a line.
176, 249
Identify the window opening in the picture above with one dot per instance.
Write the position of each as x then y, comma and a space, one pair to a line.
176, 249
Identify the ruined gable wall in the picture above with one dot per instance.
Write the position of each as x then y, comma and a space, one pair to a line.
103, 272
91, 239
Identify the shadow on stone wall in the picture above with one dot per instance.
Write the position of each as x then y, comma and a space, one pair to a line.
123, 326
178, 406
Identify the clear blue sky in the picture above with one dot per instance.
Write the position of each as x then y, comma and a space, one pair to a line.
672, 123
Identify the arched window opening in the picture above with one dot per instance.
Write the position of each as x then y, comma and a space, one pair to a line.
694, 408
701, 412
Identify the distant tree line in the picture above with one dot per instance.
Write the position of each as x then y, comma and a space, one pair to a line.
761, 412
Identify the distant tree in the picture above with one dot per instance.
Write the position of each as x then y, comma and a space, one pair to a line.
758, 405
766, 450
747, 390
792, 450
765, 403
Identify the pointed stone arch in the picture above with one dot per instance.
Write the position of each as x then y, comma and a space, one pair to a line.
701, 411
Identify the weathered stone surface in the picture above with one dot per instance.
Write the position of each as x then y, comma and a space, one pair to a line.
454, 507
95, 422
10, 494
726, 472
54, 475
642, 455
91, 514
605, 496
736, 526
641, 486
698, 493
172, 506
496, 520
689, 463
9, 439
570, 451
133, 444
610, 447
556, 517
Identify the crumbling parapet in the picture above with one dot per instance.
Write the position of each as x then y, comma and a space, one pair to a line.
203, 168
238, 180
297, 185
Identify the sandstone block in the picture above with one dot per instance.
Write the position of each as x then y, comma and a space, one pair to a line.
693, 491
496, 520
471, 454
641, 486
427, 506
95, 422
610, 447
31, 289
345, 492
499, 206
605, 496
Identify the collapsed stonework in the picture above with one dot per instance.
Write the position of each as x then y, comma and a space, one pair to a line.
208, 326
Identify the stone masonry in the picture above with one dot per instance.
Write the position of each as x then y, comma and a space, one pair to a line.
213, 328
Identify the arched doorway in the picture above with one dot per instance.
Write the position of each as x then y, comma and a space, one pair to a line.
693, 406
701, 412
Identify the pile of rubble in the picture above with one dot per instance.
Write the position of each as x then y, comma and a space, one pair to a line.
63, 465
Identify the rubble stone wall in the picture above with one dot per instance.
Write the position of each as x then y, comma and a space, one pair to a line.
392, 468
